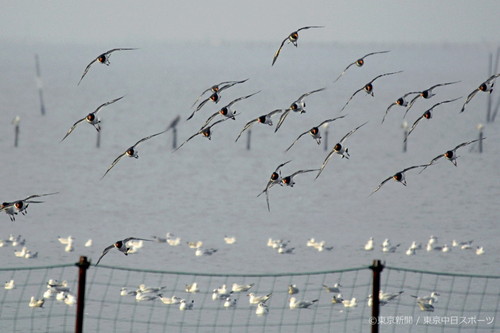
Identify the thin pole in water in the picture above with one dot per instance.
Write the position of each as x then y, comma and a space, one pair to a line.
98, 141
16, 122
249, 138
83, 265
173, 126
39, 84
481, 136
325, 140
405, 135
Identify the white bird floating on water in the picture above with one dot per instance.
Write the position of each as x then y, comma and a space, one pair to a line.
184, 305
295, 304
230, 302
172, 240
36, 303
170, 300
192, 288
333, 289
254, 299
88, 243
65, 240
479, 250
229, 240
262, 309
9, 285
352, 303
369, 245
239, 288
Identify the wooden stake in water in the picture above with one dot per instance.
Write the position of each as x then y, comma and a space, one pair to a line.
481, 136
98, 141
39, 84
173, 126
16, 122
249, 139
492, 69
405, 134
325, 137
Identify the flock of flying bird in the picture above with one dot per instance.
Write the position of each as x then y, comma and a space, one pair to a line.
226, 112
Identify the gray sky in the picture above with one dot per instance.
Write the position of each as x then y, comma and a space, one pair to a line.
359, 21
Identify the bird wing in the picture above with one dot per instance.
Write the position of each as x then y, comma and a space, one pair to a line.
309, 93
465, 144
301, 135
388, 108
107, 103
413, 126
372, 53
114, 163
443, 102
272, 113
247, 126
357, 91
86, 70
442, 84
385, 74
330, 154
345, 70
414, 167
310, 26
43, 195
229, 84
469, 98
209, 119
282, 119
203, 93
192, 136
135, 238
120, 49
302, 171
72, 128
106, 250
382, 183
327, 121
148, 137
411, 103
200, 105
278, 51
351, 132
282, 165
241, 98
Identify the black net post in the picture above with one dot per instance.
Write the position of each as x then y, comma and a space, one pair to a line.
83, 265
377, 268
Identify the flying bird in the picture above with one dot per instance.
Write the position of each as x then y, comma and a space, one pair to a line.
273, 180
216, 88
427, 93
121, 246
450, 155
264, 119
368, 88
339, 148
205, 131
226, 110
91, 118
486, 86
314, 132
398, 176
297, 106
427, 115
292, 38
103, 59
21, 206
359, 62
401, 101
288, 180
132, 151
